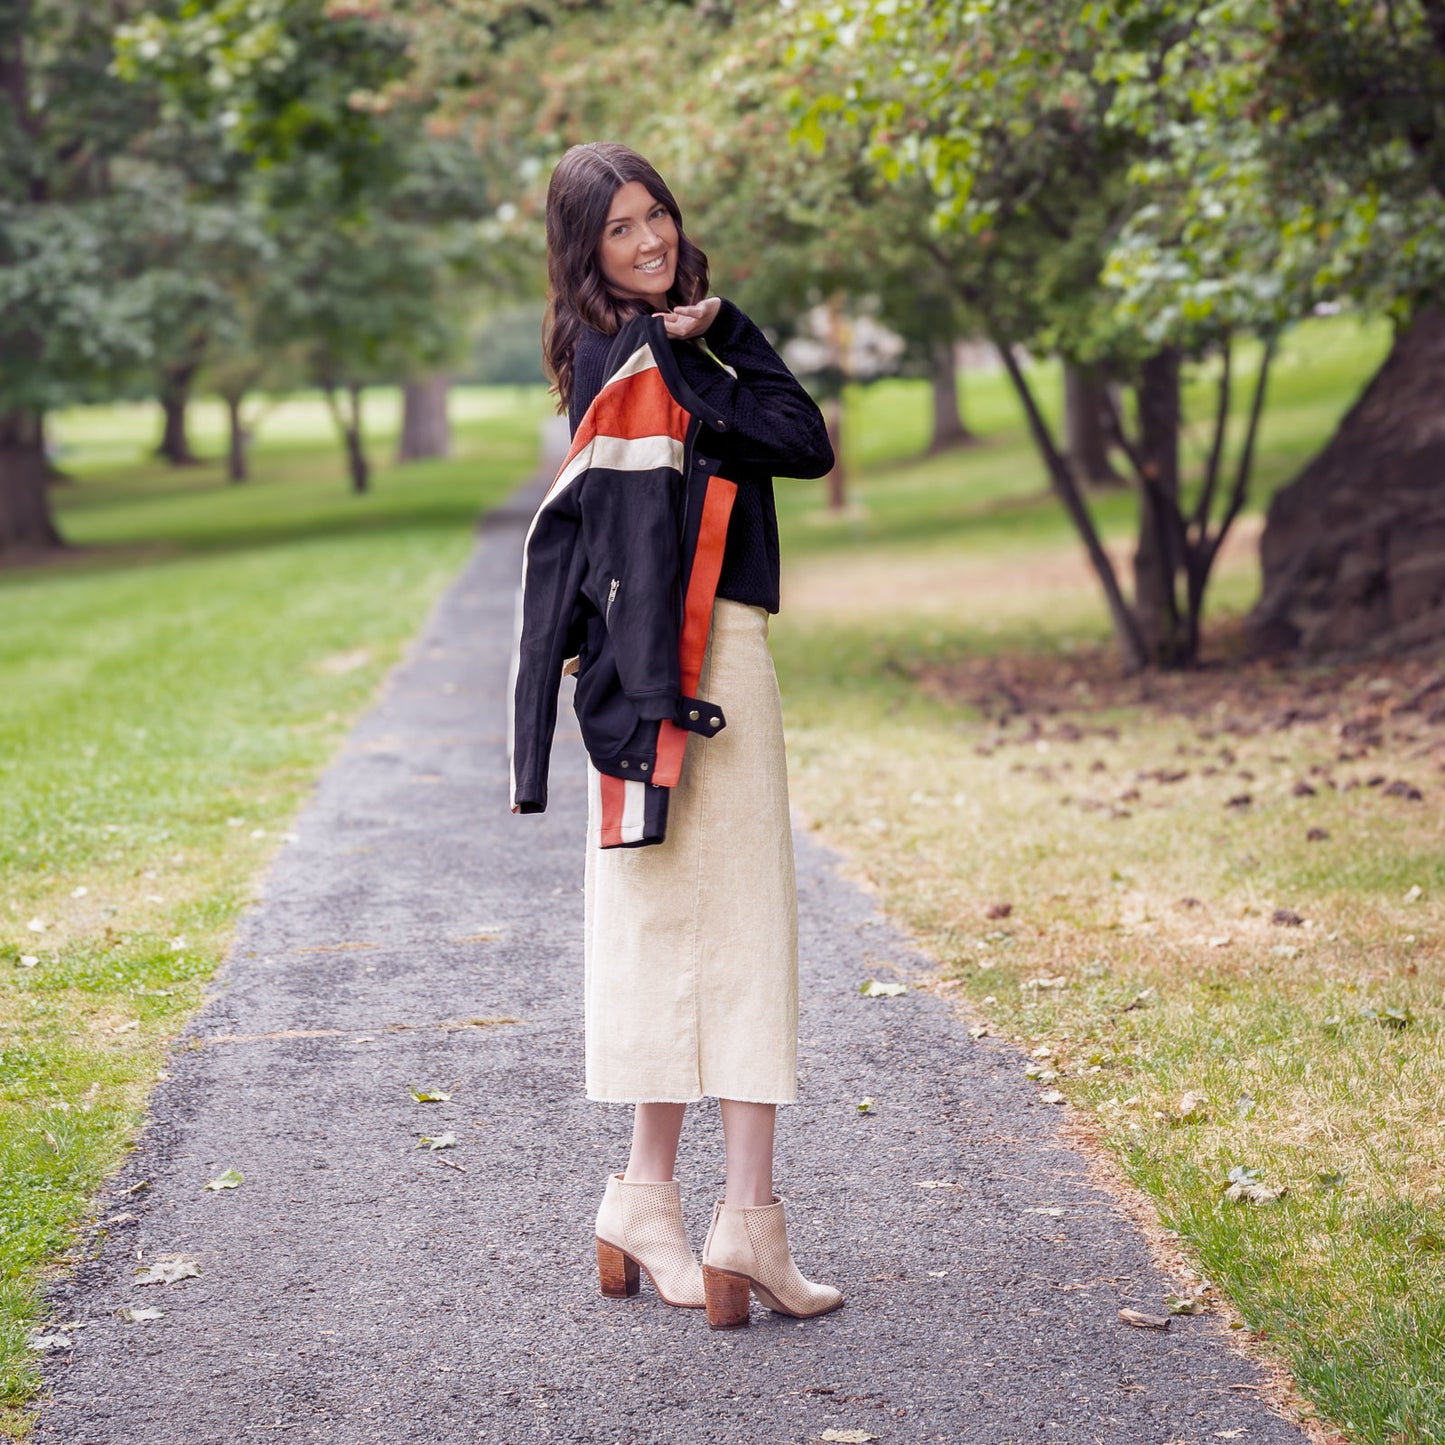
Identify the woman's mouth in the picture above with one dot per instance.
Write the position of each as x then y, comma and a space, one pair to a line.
651, 268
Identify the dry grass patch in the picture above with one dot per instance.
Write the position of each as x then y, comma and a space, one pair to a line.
1209, 908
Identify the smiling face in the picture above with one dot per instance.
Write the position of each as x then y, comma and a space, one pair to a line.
638, 251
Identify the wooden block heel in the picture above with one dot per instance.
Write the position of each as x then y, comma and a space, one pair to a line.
727, 1298
617, 1272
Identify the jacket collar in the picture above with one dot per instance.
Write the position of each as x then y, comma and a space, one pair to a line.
650, 332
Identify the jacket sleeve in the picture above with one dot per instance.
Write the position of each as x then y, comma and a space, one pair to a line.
553, 561
772, 422
632, 537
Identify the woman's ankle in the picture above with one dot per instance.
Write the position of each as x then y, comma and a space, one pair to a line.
741, 1196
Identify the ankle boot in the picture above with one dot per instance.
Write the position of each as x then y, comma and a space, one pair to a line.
640, 1224
747, 1251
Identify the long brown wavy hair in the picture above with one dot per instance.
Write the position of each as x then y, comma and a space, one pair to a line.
579, 197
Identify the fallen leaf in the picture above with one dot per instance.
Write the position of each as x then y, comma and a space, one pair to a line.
136, 1317
1051, 1096
1191, 1109
865, 1106
1141, 1321
848, 1437
1412, 895
1330, 1179
168, 1269
1183, 1304
36, 925
430, 1096
999, 910
978, 1031
873, 989
438, 1141
1287, 918
1244, 1187
1222, 941
50, 1340
229, 1180
28, 960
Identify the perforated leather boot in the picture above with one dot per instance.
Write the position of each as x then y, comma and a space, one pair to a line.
747, 1252
640, 1224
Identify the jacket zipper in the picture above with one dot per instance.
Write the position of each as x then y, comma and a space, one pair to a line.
611, 598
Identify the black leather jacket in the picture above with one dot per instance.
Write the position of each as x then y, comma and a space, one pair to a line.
620, 571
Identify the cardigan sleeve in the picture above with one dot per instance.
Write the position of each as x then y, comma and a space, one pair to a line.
772, 422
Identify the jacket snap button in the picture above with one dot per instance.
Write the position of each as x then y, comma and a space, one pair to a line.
625, 763
643, 766
693, 715
702, 461
715, 722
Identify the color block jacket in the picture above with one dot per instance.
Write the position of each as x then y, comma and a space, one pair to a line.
620, 570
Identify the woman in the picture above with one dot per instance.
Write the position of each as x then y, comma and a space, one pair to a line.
691, 946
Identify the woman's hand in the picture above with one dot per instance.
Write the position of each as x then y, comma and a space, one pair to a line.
688, 321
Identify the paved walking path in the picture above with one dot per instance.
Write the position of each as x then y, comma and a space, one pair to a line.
355, 1288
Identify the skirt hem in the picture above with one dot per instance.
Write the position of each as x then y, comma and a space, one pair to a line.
691, 1099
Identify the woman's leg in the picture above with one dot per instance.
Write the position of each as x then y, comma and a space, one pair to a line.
747, 1251
748, 1133
656, 1129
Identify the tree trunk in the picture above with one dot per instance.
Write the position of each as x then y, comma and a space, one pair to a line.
357, 466
837, 479
1066, 486
949, 430
425, 430
236, 466
26, 524
1085, 431
1353, 551
175, 395
1159, 559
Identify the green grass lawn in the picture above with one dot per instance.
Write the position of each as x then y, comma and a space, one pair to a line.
168, 693
170, 690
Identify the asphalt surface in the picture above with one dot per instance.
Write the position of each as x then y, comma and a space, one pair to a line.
355, 1288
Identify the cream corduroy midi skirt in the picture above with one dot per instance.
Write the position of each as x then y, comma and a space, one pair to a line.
691, 954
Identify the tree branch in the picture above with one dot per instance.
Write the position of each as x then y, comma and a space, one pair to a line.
1242, 473
1216, 450
1126, 625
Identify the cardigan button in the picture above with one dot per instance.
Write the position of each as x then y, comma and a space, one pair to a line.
693, 715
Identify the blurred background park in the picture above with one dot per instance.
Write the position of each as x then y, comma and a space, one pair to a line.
1110, 652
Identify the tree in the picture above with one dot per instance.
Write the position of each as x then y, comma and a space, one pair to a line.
73, 296
366, 200
1354, 547
1067, 162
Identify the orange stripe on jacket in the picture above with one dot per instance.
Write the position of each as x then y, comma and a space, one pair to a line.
614, 800
707, 560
